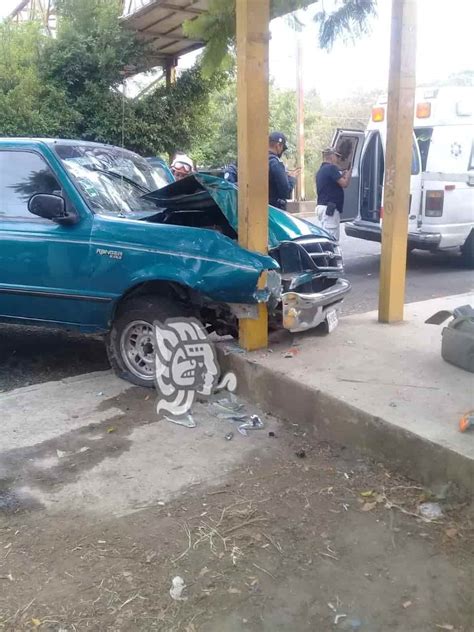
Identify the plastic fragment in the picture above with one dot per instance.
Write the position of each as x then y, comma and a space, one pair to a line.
466, 422
187, 421
338, 617
177, 588
254, 423
229, 436
430, 511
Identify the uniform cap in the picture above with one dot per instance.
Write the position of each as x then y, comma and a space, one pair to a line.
278, 137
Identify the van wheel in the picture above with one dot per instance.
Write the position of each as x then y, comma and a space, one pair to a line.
130, 342
467, 251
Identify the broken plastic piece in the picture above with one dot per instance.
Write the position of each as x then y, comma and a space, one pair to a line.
228, 406
177, 587
254, 423
467, 421
430, 511
186, 420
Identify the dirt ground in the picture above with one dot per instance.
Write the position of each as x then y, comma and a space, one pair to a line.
300, 536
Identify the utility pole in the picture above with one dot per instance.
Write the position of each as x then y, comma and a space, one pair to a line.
400, 107
300, 190
252, 30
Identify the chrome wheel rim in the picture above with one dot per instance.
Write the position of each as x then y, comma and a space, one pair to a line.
137, 348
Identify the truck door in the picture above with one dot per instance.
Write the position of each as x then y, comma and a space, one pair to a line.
371, 178
349, 142
44, 266
414, 216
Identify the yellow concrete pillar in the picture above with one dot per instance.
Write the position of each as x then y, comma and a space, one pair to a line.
401, 98
252, 28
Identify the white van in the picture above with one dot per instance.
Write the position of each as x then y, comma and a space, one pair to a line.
441, 213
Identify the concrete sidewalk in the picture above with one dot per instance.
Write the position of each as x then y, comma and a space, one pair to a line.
382, 388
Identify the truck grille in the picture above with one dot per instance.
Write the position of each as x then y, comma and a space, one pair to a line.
324, 253
309, 254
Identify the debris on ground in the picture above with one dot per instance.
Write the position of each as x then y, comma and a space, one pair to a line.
301, 453
290, 353
186, 420
177, 588
254, 423
229, 436
430, 511
467, 421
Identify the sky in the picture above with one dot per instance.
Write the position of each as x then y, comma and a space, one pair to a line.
445, 46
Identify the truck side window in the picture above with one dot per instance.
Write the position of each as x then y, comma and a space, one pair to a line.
423, 137
23, 174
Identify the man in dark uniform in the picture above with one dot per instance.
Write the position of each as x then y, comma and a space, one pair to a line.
330, 185
280, 181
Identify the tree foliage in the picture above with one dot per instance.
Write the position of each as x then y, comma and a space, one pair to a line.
69, 86
321, 119
216, 27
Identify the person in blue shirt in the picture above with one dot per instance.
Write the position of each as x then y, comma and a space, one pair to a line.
330, 185
280, 181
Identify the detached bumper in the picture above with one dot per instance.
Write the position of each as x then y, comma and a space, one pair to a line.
305, 311
423, 241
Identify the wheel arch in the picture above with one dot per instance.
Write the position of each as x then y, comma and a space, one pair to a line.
154, 287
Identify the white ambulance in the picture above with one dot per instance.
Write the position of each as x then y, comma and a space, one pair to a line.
441, 212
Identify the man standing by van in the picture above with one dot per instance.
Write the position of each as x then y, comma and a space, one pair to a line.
280, 181
330, 185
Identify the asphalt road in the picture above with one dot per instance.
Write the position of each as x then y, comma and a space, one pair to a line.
29, 356
428, 275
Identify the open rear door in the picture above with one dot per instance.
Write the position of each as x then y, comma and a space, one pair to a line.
348, 143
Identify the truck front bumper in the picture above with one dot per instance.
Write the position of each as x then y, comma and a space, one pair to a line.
305, 311
423, 241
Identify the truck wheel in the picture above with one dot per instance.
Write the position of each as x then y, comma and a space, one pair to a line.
130, 342
467, 251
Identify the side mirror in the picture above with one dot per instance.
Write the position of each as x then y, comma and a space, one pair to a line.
51, 207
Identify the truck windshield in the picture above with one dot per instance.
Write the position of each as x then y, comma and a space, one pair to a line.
112, 180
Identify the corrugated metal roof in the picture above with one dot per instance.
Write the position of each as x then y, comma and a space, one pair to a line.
159, 22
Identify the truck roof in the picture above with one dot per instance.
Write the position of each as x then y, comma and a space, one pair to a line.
25, 140
434, 105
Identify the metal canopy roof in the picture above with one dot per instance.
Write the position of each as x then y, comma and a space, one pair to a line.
159, 22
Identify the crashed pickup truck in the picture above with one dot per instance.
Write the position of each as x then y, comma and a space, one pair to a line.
93, 239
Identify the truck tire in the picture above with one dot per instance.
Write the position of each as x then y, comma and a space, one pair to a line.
130, 346
467, 251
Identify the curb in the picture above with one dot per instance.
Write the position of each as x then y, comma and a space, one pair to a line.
333, 419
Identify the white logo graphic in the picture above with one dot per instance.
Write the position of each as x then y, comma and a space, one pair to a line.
186, 366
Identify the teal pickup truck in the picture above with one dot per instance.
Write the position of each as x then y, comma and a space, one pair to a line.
92, 238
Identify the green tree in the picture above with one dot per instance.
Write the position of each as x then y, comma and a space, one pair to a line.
69, 86
216, 27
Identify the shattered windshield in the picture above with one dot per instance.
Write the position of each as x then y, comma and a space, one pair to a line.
112, 180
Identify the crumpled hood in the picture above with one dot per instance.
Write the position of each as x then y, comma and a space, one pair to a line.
200, 190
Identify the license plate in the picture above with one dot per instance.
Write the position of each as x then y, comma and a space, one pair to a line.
332, 320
